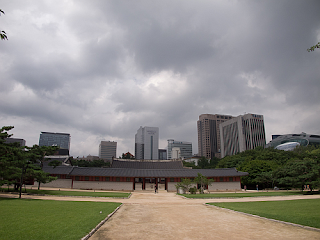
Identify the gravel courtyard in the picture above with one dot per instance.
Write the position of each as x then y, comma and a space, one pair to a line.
167, 216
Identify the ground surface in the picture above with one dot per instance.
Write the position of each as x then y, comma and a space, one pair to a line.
167, 216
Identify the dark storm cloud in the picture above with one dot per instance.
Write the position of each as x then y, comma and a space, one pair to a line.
102, 69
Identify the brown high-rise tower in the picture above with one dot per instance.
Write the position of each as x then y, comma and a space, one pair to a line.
209, 134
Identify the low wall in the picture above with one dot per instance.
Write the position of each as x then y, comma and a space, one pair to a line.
117, 186
224, 186
59, 183
215, 186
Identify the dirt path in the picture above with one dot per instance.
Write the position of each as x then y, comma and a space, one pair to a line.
167, 216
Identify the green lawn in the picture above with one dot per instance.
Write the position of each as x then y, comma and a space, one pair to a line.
76, 193
242, 194
45, 219
305, 212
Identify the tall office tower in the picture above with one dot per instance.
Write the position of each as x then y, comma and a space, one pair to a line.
61, 140
147, 143
107, 150
209, 134
185, 149
242, 133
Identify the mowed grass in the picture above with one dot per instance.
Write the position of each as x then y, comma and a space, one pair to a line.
45, 219
304, 212
241, 194
76, 193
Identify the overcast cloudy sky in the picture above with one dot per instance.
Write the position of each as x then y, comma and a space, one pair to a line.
101, 69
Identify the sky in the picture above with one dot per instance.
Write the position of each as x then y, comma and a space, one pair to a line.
101, 69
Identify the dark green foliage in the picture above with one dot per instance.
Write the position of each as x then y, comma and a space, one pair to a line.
127, 155
311, 49
3, 35
271, 167
18, 165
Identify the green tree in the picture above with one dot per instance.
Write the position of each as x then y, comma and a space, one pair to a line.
19, 163
311, 49
203, 162
127, 155
3, 34
255, 168
185, 184
202, 181
297, 173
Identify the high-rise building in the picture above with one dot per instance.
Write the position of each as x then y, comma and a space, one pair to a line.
21, 142
242, 133
147, 143
61, 140
107, 150
185, 149
209, 134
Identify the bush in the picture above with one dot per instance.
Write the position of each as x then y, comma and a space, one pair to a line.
193, 190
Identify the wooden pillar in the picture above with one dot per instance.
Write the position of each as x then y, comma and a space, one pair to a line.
143, 184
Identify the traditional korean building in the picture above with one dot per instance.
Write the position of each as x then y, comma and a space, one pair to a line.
130, 175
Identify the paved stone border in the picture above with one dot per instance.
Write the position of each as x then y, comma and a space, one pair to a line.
100, 224
269, 219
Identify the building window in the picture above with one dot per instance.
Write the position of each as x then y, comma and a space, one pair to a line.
86, 178
128, 179
117, 179
68, 177
221, 179
230, 179
107, 179
58, 176
97, 178
77, 178
172, 179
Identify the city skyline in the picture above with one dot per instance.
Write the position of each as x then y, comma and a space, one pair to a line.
156, 63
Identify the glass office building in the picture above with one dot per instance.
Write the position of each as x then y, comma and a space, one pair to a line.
61, 140
185, 148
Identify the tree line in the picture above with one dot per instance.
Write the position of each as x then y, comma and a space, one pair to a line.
21, 164
269, 167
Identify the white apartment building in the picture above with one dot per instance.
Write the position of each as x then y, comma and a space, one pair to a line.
147, 143
242, 133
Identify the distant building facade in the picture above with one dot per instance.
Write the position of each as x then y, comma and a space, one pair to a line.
242, 133
61, 140
107, 150
147, 143
179, 149
162, 154
302, 138
209, 145
21, 141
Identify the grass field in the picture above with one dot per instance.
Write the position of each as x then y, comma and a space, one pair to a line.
46, 219
75, 193
305, 212
242, 194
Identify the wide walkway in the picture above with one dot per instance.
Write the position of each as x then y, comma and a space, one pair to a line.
167, 216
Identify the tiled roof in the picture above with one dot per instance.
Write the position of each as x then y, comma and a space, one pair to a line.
58, 170
129, 172
147, 164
